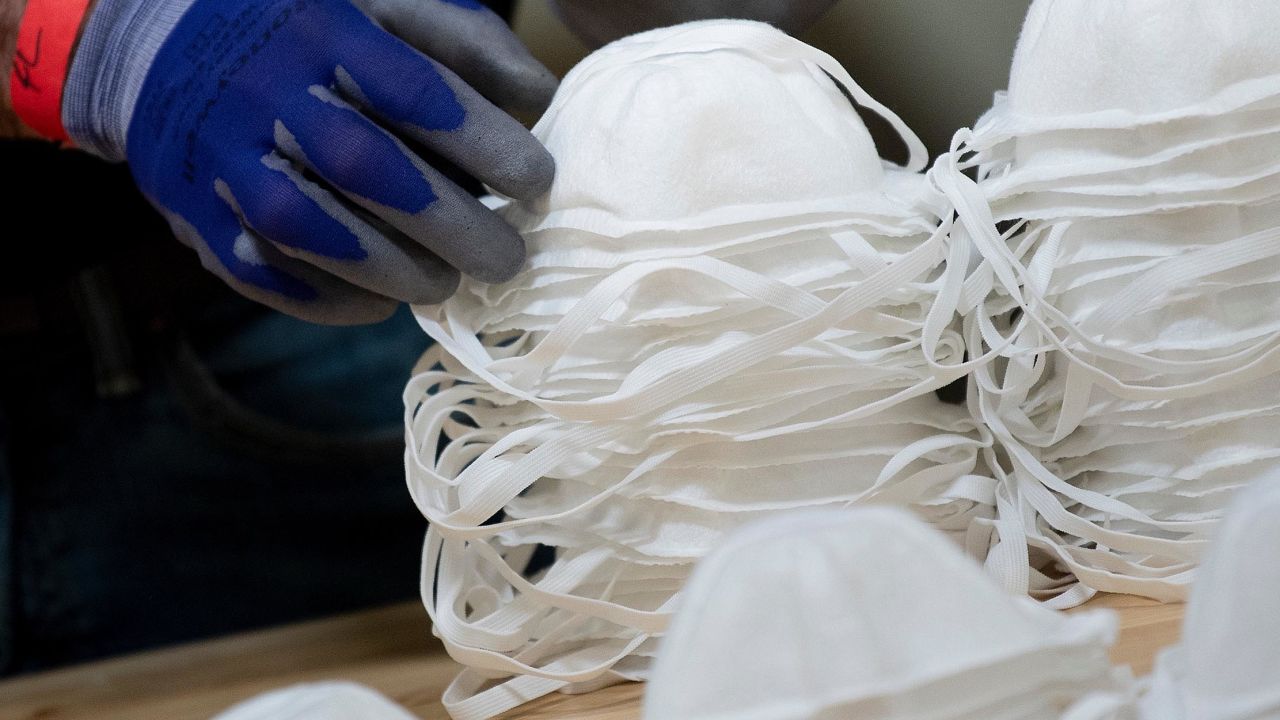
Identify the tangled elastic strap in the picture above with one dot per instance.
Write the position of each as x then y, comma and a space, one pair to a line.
802, 402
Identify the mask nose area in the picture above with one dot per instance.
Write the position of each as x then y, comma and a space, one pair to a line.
656, 135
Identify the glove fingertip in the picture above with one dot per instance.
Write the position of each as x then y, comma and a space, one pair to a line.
525, 174
441, 287
503, 264
491, 251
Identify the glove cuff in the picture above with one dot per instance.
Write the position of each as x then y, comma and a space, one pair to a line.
116, 50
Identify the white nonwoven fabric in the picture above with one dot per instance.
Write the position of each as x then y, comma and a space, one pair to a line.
870, 613
1134, 106
615, 118
1227, 666
718, 321
1138, 57
318, 701
1125, 213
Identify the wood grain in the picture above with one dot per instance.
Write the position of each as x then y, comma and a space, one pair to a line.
390, 649
1146, 627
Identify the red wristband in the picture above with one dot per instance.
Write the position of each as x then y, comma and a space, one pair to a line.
46, 38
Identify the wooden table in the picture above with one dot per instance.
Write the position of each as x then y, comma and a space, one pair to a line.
388, 649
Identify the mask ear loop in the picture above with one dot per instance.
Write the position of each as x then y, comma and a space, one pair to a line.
1027, 488
784, 47
976, 218
1242, 362
1038, 493
466, 697
463, 345
496, 485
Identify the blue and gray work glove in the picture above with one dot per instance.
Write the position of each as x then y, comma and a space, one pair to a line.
286, 141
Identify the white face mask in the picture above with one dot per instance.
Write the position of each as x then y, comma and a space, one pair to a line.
719, 321
1141, 57
1134, 106
637, 90
869, 613
1227, 666
318, 701
795, 145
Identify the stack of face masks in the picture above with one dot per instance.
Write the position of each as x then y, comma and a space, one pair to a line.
870, 614
1127, 212
732, 307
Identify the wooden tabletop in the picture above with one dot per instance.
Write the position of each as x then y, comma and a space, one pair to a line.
389, 649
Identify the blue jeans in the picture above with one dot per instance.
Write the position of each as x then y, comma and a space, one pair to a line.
255, 476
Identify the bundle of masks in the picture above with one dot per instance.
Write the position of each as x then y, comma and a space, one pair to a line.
734, 309
1127, 211
719, 321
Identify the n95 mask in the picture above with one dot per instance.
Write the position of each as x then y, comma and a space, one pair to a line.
1227, 666
868, 613
1138, 57
318, 701
1135, 106
732, 308
763, 133
616, 117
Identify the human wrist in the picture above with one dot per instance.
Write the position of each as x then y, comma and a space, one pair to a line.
10, 18
43, 65
118, 44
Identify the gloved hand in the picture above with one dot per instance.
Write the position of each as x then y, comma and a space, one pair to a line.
287, 141
600, 21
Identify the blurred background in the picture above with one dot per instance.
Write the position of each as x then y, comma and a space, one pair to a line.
177, 462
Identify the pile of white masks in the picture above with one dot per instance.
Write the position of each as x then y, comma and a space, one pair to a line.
1127, 212
732, 307
870, 614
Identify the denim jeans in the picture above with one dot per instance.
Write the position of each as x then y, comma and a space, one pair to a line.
254, 475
